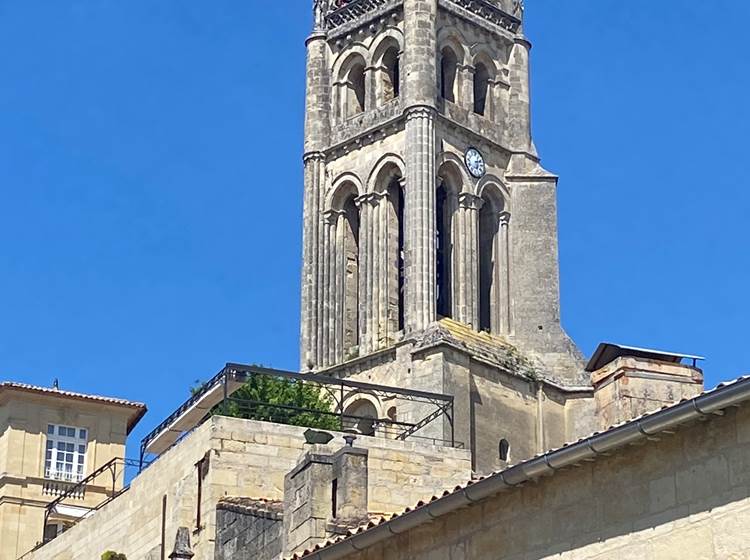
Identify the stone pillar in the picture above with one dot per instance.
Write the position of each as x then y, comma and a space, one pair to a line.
468, 287
420, 46
465, 77
351, 483
371, 89
365, 266
419, 216
420, 95
377, 272
503, 260
317, 135
307, 500
311, 271
324, 489
520, 111
383, 268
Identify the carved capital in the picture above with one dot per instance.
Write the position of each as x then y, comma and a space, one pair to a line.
420, 112
330, 217
504, 219
470, 201
313, 156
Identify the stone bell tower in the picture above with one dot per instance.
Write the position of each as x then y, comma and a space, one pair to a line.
424, 197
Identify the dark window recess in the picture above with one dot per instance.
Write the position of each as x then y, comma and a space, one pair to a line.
202, 471
504, 449
334, 497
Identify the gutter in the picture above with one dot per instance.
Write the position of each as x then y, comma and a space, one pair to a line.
600, 444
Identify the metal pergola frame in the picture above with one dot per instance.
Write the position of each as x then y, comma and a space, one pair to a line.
341, 391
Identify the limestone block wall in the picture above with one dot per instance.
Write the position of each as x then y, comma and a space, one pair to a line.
243, 535
685, 496
245, 458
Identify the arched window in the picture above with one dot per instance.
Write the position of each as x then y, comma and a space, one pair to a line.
494, 276
391, 74
355, 90
504, 450
444, 251
384, 282
481, 88
448, 69
360, 417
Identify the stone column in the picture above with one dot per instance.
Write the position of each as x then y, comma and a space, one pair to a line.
327, 287
465, 77
371, 89
317, 135
503, 260
314, 177
364, 272
420, 93
375, 269
419, 216
469, 206
382, 206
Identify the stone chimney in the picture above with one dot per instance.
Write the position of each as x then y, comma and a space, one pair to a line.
629, 382
323, 492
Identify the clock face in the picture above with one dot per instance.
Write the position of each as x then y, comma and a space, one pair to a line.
475, 163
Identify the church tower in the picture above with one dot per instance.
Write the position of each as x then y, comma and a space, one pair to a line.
430, 228
424, 197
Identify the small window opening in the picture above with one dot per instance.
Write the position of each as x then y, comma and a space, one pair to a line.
504, 449
481, 88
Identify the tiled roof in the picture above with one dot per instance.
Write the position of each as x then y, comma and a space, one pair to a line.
139, 409
724, 395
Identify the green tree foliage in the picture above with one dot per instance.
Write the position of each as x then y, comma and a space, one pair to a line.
109, 555
276, 399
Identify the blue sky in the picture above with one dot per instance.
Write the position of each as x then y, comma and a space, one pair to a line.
150, 183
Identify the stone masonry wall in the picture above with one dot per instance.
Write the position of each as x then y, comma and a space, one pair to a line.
684, 496
245, 534
246, 458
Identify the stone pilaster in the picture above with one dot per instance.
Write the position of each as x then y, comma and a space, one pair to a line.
314, 178
420, 64
419, 216
317, 135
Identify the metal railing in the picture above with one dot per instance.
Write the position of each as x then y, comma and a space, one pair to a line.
338, 395
109, 480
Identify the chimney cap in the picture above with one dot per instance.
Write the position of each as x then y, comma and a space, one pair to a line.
608, 352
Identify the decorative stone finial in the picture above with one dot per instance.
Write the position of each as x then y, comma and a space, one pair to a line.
182, 549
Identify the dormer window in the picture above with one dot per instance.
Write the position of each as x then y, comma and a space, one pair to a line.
65, 455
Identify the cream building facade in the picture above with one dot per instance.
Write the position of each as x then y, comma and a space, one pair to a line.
49, 441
